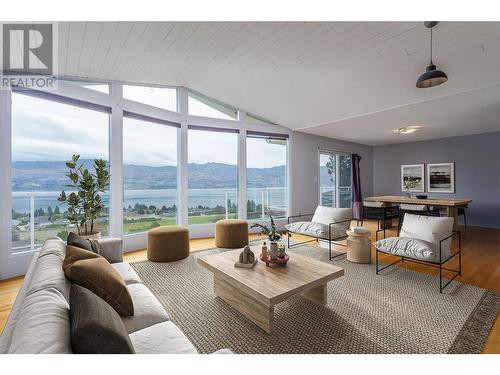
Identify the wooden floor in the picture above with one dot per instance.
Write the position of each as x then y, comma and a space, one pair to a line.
480, 260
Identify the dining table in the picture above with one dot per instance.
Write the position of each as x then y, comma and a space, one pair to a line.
450, 205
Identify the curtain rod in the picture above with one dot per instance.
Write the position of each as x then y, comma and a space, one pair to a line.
336, 151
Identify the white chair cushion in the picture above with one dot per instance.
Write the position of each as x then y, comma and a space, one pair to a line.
162, 338
410, 248
127, 273
312, 229
147, 309
428, 228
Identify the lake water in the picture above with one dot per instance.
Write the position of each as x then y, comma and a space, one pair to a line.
275, 197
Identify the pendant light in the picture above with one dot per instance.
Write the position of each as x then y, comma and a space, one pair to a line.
432, 76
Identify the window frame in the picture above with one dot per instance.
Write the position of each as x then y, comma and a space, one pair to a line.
160, 122
65, 100
217, 102
278, 136
130, 101
215, 129
16, 264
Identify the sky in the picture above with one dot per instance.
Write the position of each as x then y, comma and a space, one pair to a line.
45, 130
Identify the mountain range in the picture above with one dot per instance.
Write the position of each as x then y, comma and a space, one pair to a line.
50, 176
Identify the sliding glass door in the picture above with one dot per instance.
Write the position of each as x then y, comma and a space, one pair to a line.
335, 176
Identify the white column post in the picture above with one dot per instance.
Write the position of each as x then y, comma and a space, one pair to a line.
182, 158
337, 180
226, 205
5, 181
32, 220
263, 208
242, 168
290, 206
116, 162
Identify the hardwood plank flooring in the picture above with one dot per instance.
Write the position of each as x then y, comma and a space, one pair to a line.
481, 267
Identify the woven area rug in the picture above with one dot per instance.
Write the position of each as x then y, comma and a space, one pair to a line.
400, 311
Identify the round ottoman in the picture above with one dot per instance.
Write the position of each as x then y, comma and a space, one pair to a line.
168, 243
231, 233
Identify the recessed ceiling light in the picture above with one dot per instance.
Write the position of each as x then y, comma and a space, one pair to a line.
408, 129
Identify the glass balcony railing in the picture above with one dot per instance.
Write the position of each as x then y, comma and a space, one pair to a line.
37, 216
328, 196
210, 205
262, 202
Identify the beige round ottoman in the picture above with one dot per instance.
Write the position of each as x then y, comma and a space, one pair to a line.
168, 243
231, 233
358, 247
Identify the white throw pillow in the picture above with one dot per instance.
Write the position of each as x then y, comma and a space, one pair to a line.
327, 215
428, 228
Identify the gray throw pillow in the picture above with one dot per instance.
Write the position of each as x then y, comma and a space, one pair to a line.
96, 328
83, 243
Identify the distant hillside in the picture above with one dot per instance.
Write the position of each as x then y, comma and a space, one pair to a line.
50, 176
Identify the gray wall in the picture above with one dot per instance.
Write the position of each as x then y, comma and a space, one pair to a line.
304, 174
477, 171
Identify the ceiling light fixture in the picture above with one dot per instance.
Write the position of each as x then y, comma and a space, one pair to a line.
408, 129
432, 76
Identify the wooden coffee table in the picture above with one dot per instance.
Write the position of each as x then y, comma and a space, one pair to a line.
254, 291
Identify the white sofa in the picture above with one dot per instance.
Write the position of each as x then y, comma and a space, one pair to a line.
39, 320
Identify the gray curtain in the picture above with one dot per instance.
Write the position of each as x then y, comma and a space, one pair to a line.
357, 200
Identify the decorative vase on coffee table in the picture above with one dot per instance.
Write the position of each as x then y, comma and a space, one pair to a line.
274, 252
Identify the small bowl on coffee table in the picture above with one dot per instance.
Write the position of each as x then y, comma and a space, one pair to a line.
275, 263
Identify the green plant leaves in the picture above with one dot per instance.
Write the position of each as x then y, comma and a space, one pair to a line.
85, 204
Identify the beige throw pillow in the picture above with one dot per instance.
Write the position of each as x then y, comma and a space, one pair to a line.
92, 271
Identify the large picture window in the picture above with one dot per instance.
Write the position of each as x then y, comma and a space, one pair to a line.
49, 127
335, 171
212, 175
149, 175
45, 134
266, 176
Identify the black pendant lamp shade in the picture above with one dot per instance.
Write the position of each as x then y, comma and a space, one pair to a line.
432, 76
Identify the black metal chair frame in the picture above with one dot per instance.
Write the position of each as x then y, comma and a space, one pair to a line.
379, 220
316, 239
431, 264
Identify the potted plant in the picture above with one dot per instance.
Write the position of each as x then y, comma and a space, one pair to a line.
273, 234
85, 203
